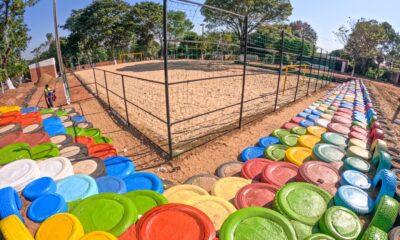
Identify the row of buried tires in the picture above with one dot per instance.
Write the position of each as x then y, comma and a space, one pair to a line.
329, 173
315, 178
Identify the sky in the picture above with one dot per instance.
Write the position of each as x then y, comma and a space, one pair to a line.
325, 16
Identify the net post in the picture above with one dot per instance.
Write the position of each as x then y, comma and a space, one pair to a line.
95, 81
165, 55
108, 97
280, 68
298, 74
319, 68
125, 102
311, 68
244, 70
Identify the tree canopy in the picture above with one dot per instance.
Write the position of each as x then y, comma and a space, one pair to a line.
259, 12
13, 36
303, 29
368, 41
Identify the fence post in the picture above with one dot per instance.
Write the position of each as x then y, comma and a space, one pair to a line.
108, 97
126, 105
311, 69
95, 81
165, 54
244, 71
333, 69
298, 74
323, 72
280, 68
319, 68
329, 71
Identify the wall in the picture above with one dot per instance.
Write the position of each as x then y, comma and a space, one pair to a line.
46, 66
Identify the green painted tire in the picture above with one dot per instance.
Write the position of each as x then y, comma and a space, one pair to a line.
289, 140
341, 223
98, 140
257, 223
298, 130
276, 152
279, 133
60, 113
73, 131
302, 230
302, 202
44, 151
385, 213
144, 200
334, 139
328, 153
319, 236
46, 111
110, 212
14, 152
358, 164
374, 233
90, 132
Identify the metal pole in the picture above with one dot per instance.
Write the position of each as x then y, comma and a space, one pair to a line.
165, 54
298, 74
108, 98
126, 105
280, 68
244, 71
311, 69
59, 55
319, 68
95, 81
323, 73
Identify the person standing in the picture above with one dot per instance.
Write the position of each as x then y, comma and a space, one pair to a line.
48, 95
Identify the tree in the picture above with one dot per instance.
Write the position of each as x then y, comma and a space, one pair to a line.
13, 35
178, 24
362, 39
147, 18
303, 29
104, 23
259, 12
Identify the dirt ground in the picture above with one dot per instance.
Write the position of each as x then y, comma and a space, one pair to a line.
388, 96
196, 87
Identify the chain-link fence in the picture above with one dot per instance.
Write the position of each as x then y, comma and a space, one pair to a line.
212, 77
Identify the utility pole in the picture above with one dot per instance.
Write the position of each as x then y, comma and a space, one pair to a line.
59, 55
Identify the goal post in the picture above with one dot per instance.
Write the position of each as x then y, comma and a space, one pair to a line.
131, 57
296, 68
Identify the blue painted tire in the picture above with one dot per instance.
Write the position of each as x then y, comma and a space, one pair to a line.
387, 180
350, 197
306, 123
356, 179
252, 152
265, 142
302, 114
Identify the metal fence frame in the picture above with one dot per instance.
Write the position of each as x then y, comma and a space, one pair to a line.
322, 79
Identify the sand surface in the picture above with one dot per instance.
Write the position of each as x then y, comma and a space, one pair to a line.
205, 96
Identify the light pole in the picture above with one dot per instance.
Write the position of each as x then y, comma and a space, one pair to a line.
59, 55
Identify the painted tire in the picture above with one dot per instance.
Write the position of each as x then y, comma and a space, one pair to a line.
33, 128
394, 234
61, 140
10, 128
335, 139
252, 152
302, 202
341, 223
73, 151
354, 199
374, 233
229, 169
358, 164
328, 153
356, 179
242, 225
319, 236
387, 180
267, 141
276, 152
280, 133
204, 181
289, 140
385, 213
303, 230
